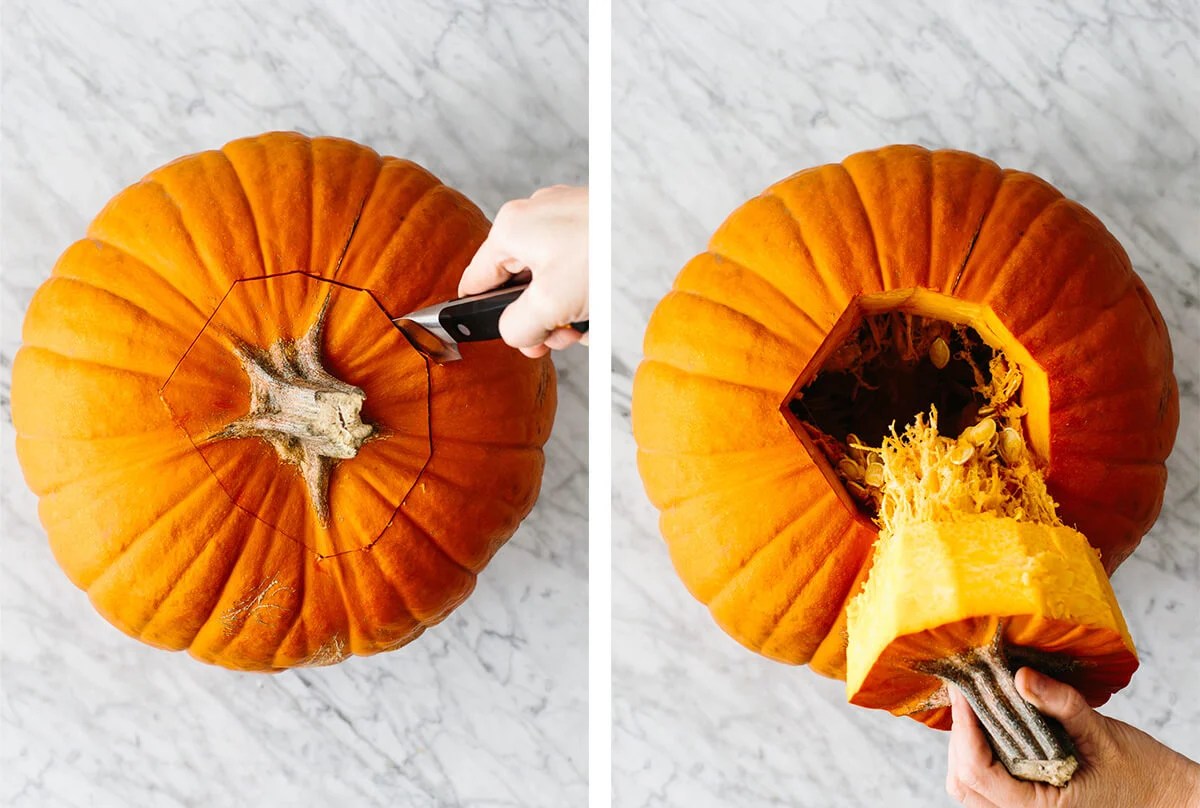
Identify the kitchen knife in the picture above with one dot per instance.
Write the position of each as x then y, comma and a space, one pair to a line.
437, 330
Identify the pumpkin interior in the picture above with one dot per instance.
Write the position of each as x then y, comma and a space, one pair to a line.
893, 368
921, 420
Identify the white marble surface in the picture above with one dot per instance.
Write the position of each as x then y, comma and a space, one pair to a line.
487, 709
711, 104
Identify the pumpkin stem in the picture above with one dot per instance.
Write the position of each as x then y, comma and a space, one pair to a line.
311, 418
1030, 745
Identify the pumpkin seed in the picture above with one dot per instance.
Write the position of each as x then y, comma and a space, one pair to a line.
961, 453
874, 475
980, 433
939, 353
849, 469
1011, 445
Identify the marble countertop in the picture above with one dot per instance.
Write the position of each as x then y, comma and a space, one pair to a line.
711, 104
488, 708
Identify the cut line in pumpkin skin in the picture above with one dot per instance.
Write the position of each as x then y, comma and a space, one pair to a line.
382, 431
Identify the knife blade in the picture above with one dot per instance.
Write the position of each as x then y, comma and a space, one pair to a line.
437, 330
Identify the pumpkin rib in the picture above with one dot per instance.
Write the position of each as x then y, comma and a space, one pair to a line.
1093, 322
836, 288
999, 276
1114, 462
276, 480
772, 465
434, 542
164, 273
362, 205
1088, 397
706, 453
518, 512
441, 611
339, 584
368, 556
187, 230
212, 610
987, 211
296, 616
433, 474
710, 380
862, 204
827, 563
174, 582
142, 533
60, 273
739, 313
421, 624
100, 366
121, 300
405, 225
722, 257
761, 548
695, 374
241, 185
927, 281
370, 484
164, 455
228, 638
1051, 301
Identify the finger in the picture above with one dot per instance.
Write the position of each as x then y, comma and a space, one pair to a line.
529, 319
975, 769
548, 189
561, 338
489, 267
1059, 701
967, 742
535, 351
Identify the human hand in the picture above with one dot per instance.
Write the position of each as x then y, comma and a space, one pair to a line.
1119, 765
546, 234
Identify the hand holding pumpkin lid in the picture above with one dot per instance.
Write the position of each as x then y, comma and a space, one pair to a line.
235, 450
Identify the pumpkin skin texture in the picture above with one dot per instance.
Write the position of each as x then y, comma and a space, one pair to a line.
757, 525
134, 361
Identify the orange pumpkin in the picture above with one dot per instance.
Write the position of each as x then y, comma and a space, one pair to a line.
235, 450
760, 526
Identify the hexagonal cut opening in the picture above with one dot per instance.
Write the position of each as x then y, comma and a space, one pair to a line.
309, 407
893, 357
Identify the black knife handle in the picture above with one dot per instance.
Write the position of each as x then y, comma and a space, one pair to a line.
477, 318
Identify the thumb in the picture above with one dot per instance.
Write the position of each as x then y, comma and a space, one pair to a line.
1059, 701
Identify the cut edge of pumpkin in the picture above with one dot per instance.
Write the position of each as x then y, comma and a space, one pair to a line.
377, 431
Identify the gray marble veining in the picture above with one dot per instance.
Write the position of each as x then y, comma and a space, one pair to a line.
712, 102
488, 708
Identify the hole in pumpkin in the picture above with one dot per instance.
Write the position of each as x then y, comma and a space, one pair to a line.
893, 368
